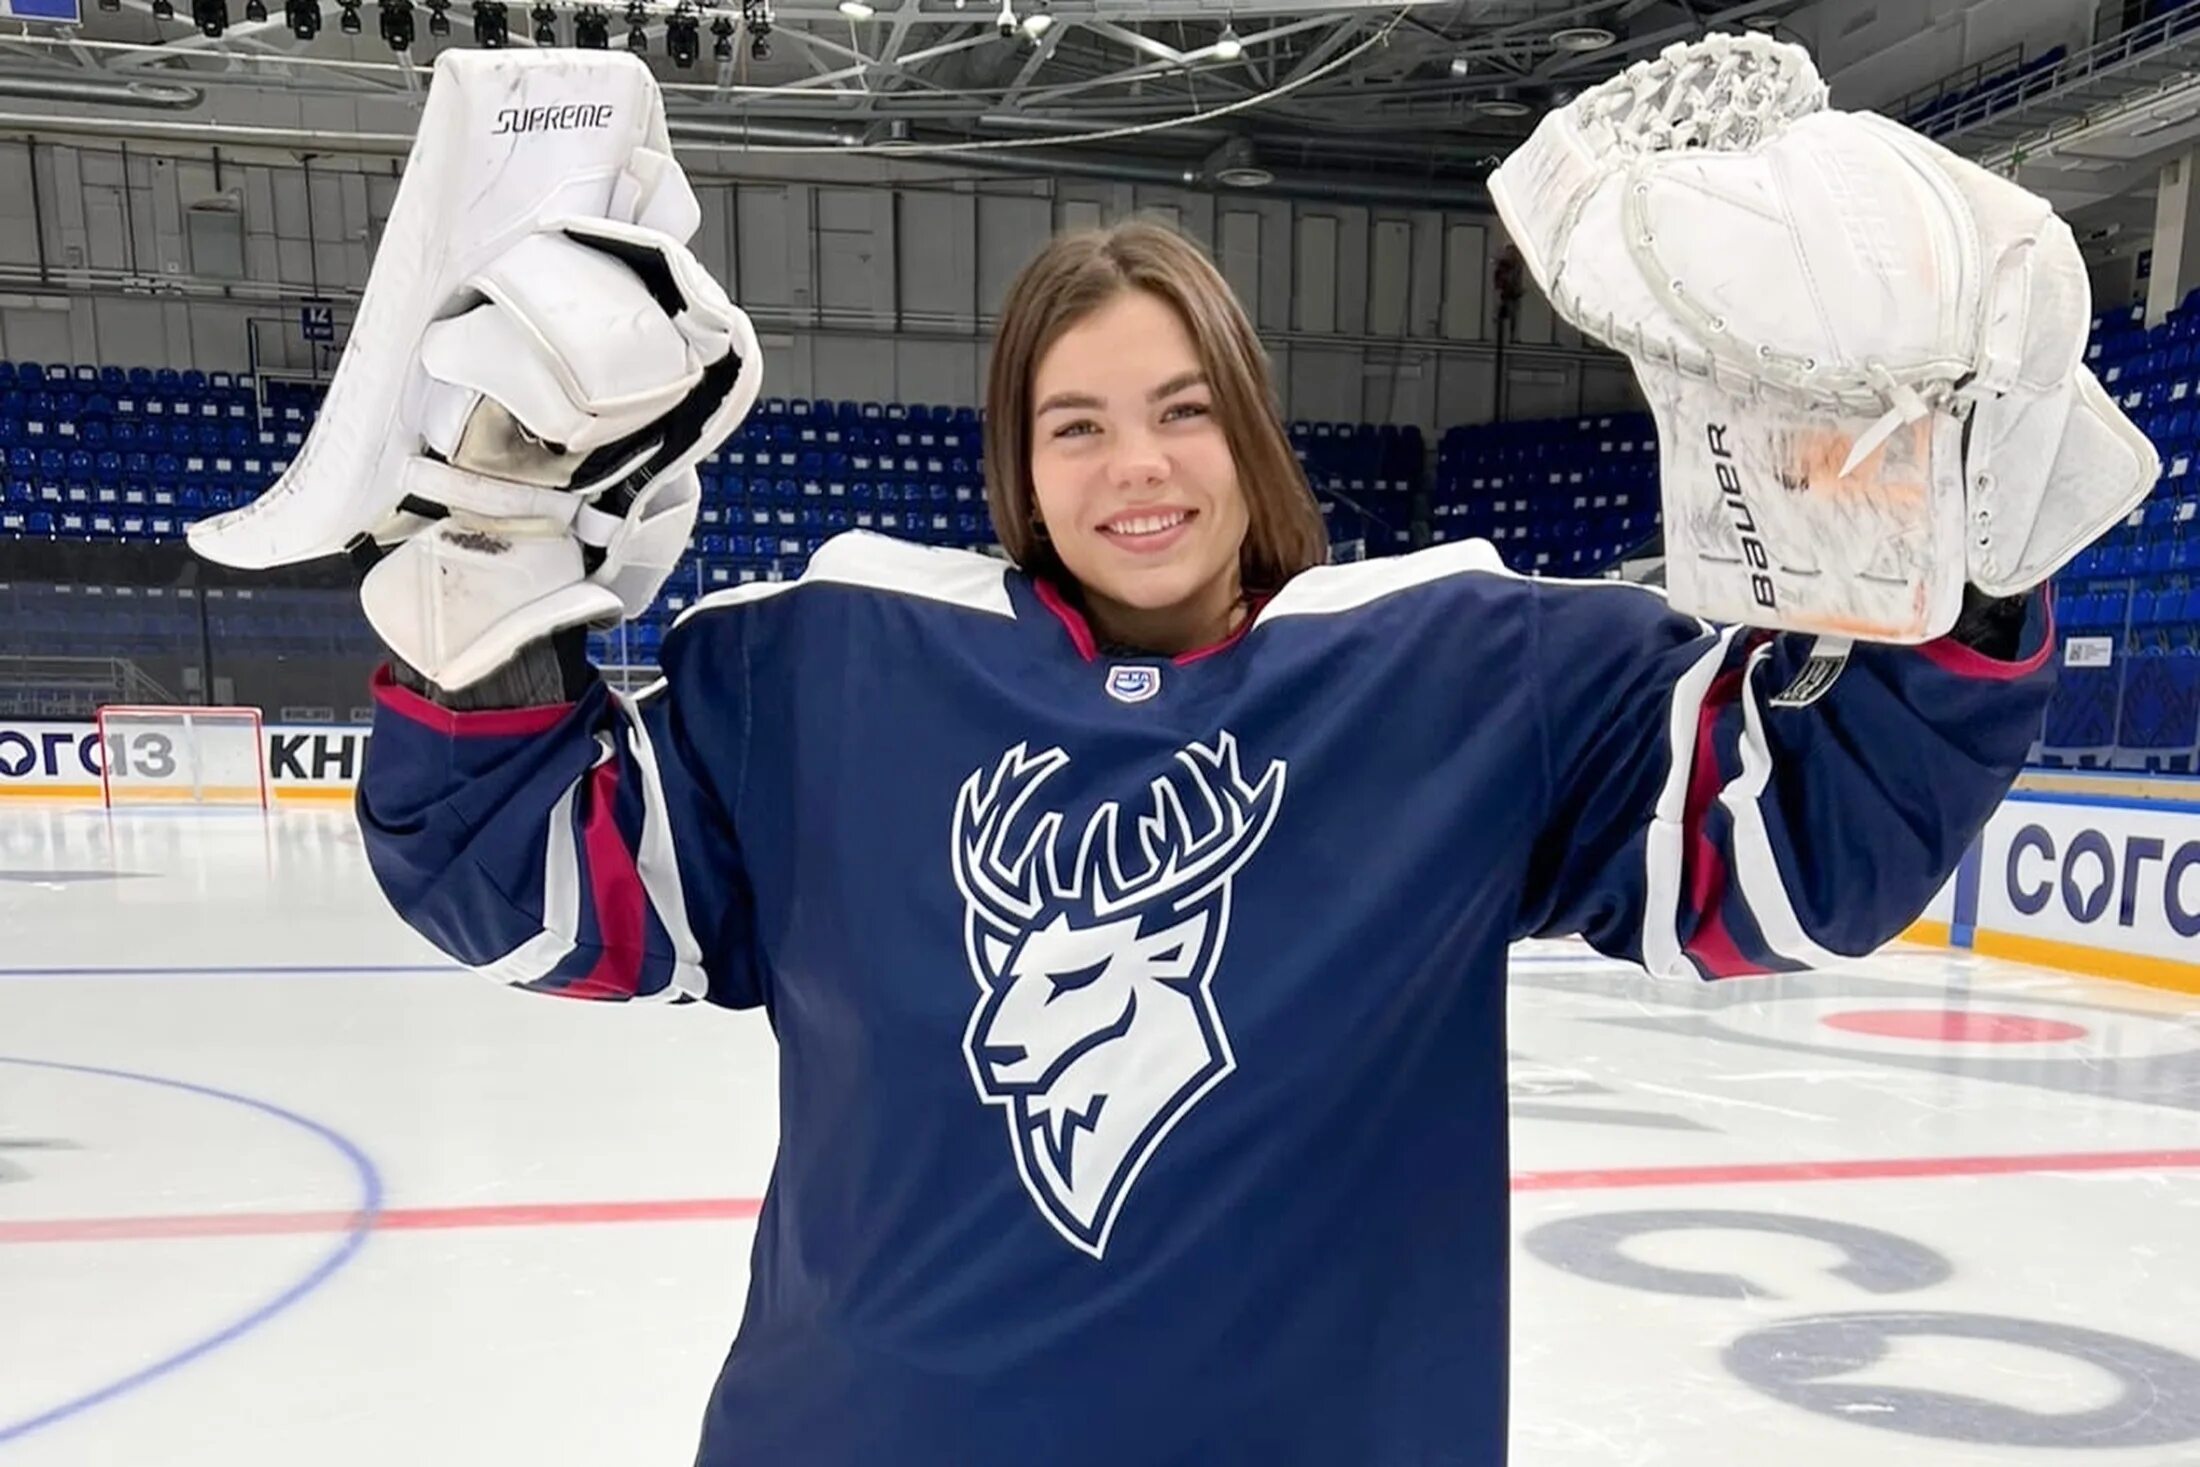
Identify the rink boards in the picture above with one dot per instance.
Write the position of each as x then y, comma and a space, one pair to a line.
2096, 874
2092, 874
60, 760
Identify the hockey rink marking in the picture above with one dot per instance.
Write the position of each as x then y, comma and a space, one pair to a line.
356, 1227
743, 1209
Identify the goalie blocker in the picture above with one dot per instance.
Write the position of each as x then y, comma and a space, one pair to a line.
537, 366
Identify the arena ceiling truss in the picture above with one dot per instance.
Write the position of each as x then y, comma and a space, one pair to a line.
1249, 93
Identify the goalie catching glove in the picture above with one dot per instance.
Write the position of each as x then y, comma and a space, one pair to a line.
1864, 353
538, 365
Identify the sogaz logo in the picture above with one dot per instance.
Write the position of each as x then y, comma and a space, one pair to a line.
2093, 874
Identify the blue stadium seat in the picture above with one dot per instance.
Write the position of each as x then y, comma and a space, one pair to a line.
2161, 710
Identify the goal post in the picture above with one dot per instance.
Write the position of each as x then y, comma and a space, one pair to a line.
181, 756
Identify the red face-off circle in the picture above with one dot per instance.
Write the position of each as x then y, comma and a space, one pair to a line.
1954, 1026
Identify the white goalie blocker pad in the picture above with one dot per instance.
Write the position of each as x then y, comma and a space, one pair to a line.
535, 343
1864, 354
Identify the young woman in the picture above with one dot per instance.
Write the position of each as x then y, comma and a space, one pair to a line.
1132, 917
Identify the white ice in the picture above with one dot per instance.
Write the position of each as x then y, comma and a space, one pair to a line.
217, 1047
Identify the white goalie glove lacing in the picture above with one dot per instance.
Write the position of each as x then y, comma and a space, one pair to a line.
1864, 353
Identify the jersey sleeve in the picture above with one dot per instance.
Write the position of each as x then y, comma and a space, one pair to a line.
1694, 827
579, 849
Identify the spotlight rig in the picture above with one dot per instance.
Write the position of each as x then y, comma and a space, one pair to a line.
439, 17
397, 23
255, 10
546, 25
721, 39
348, 22
756, 19
591, 28
681, 41
210, 16
303, 17
492, 25
164, 9
637, 39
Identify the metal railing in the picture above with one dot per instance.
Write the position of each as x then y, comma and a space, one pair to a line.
1907, 106
73, 687
2134, 63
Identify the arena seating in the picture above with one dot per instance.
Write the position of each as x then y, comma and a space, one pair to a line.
1969, 105
113, 454
1366, 478
1562, 497
2132, 600
104, 453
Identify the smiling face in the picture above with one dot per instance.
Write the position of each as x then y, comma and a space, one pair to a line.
1134, 478
1133, 451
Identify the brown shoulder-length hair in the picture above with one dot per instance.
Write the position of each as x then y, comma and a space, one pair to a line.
1072, 277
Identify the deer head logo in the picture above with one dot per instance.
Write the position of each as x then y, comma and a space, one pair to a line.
1095, 1031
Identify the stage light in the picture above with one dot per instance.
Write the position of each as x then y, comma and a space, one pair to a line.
397, 23
721, 39
439, 17
348, 22
546, 25
637, 39
591, 28
682, 42
303, 17
492, 25
255, 10
210, 16
164, 10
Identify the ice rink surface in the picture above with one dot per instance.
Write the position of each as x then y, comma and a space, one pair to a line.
277, 1186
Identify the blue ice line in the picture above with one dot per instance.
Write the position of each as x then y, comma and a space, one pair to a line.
370, 1208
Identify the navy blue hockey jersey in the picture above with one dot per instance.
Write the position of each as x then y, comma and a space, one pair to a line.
1142, 1020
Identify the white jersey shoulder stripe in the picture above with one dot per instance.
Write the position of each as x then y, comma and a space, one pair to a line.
1328, 589
876, 562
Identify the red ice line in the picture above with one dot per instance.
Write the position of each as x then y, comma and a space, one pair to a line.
732, 1209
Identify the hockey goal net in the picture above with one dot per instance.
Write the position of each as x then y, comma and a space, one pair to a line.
182, 755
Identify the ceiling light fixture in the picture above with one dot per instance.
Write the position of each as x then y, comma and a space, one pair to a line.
683, 38
1582, 38
1228, 46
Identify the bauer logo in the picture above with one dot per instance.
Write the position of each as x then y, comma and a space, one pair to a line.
1133, 684
1095, 1029
571, 117
1744, 519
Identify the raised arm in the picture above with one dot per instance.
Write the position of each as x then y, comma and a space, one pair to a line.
579, 847
1695, 827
